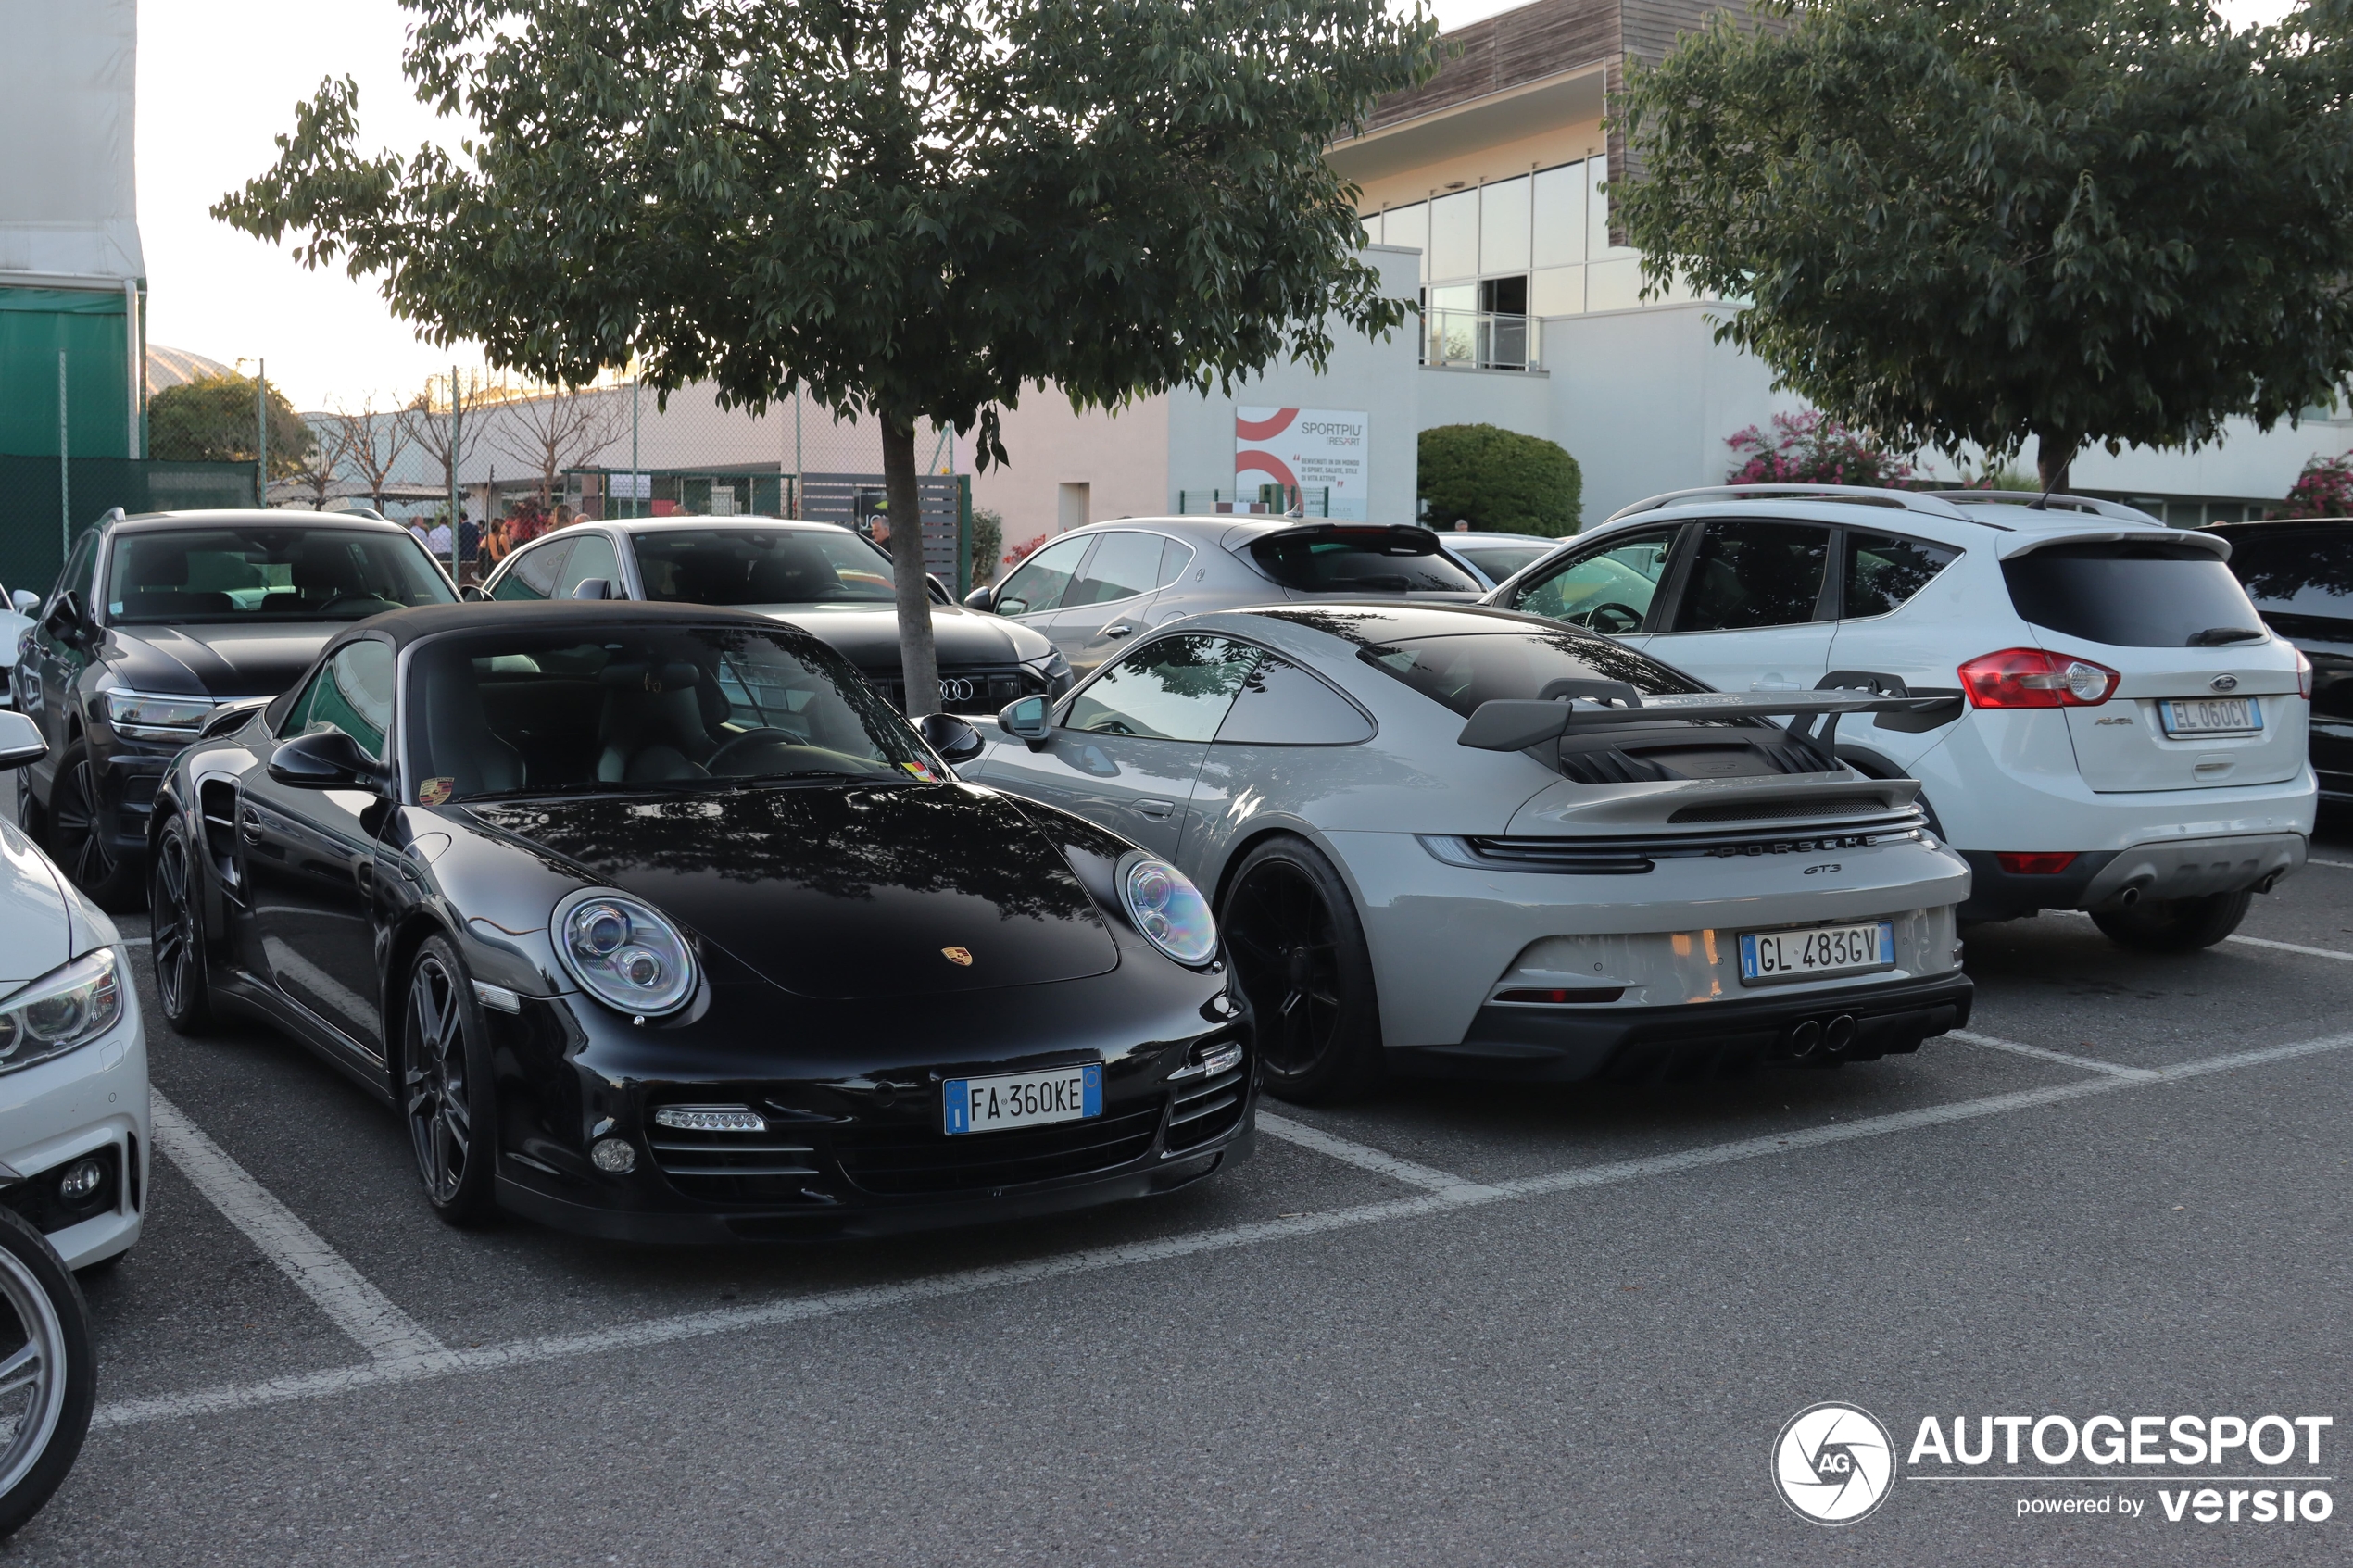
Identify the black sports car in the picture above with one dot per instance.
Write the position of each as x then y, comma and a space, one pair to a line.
656, 922
2299, 572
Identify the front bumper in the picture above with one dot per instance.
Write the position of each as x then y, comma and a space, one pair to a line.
1721, 1039
91, 1101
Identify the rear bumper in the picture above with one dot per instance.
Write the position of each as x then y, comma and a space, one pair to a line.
2181, 868
1688, 1040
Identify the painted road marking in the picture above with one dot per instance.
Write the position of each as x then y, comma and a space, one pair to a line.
2089, 1064
1363, 1155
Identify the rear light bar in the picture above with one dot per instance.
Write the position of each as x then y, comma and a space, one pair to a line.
2034, 864
2032, 678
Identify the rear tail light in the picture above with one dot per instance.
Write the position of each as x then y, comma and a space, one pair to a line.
2031, 678
2034, 864
2303, 676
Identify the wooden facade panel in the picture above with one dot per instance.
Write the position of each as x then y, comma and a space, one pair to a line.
1512, 50
1651, 26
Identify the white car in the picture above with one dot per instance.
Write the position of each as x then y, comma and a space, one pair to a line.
1447, 841
16, 619
2123, 734
1497, 557
74, 1130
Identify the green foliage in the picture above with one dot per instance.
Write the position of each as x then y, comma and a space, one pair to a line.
212, 420
1499, 479
2323, 489
1974, 221
988, 543
1812, 448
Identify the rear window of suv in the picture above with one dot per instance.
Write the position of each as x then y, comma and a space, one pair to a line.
1463, 671
1374, 561
2133, 594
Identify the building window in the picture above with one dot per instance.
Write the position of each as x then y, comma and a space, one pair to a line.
1536, 245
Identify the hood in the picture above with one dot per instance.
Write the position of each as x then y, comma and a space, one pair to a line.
217, 660
36, 931
839, 891
867, 634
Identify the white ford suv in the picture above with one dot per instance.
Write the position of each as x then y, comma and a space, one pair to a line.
2124, 737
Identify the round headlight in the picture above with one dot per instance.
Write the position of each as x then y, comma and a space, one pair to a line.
1167, 908
623, 953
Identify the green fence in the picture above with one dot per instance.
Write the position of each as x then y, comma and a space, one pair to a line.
35, 513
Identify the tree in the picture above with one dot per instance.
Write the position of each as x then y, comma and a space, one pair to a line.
1974, 221
447, 426
1812, 448
210, 419
1499, 479
315, 476
552, 431
370, 442
907, 209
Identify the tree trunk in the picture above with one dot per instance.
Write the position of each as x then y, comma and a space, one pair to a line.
918, 657
2053, 454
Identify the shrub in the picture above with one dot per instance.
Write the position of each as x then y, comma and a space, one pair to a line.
2323, 489
1498, 479
988, 543
1812, 448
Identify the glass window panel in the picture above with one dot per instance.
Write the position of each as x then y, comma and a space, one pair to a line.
1886, 569
1282, 705
1556, 291
1123, 566
1040, 582
1410, 226
1453, 235
1608, 590
1559, 216
1502, 227
592, 556
1614, 285
1179, 688
1751, 574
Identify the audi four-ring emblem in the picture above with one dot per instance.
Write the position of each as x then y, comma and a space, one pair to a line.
955, 689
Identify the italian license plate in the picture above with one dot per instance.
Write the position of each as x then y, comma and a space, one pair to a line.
1022, 1100
1769, 956
2211, 716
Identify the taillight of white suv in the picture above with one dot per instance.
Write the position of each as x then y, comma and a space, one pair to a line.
2033, 678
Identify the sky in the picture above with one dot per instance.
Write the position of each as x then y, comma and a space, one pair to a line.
218, 80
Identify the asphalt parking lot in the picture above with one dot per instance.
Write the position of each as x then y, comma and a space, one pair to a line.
1454, 1326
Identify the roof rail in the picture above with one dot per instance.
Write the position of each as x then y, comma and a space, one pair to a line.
2040, 502
1852, 494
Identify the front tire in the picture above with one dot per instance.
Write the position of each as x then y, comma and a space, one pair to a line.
1299, 953
2175, 925
445, 1087
48, 1371
77, 833
175, 905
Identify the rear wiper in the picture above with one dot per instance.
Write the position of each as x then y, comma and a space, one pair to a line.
2215, 637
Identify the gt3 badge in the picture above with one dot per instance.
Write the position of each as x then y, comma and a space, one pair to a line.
961, 956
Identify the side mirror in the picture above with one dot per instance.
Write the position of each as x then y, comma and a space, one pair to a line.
1030, 718
594, 588
980, 598
474, 593
325, 760
21, 741
25, 600
950, 736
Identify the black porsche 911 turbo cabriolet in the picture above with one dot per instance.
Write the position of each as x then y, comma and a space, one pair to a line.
655, 922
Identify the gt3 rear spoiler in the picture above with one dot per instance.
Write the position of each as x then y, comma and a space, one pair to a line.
1515, 724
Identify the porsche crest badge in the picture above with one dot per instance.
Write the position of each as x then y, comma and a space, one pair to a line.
961, 956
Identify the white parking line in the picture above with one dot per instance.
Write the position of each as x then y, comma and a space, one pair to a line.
318, 1270
694, 1326
2333, 865
2291, 948
1363, 1155
2091, 1064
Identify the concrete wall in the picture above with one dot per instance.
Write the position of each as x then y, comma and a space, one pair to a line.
1121, 459
1513, 399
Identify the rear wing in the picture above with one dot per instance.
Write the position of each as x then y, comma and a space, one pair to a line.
1515, 724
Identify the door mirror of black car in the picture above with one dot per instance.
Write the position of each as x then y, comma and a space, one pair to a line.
950, 736
21, 741
981, 597
326, 759
474, 594
25, 600
1028, 720
594, 588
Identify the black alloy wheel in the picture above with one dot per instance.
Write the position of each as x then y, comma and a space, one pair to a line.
2175, 925
1298, 951
444, 1086
176, 906
76, 838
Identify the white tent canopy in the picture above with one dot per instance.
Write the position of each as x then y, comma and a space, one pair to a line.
69, 212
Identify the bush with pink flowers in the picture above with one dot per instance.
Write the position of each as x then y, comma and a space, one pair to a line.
1812, 448
2323, 489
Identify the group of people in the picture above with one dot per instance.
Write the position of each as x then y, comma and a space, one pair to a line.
483, 548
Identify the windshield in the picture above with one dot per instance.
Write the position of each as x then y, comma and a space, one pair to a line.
1463, 671
2152, 596
742, 565
518, 713
200, 575
1374, 561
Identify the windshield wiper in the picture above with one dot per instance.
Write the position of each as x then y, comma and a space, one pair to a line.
2215, 637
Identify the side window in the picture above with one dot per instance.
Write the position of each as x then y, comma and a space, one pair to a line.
1881, 571
1282, 705
75, 578
1177, 688
352, 692
1123, 566
1040, 582
592, 556
1174, 559
1750, 574
533, 575
1608, 590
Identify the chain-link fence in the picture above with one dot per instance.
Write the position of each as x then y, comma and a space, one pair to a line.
43, 503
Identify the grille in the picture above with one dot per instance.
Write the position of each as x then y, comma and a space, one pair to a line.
1776, 810
1654, 757
1201, 1111
965, 690
892, 1161
738, 1167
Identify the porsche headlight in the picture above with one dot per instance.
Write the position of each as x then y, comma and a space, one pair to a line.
1167, 908
623, 953
63, 1009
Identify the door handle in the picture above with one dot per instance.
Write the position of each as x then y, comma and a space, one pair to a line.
1116, 629
249, 825
1157, 811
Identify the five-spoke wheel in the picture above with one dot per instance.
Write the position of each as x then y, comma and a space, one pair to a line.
1299, 952
446, 1086
77, 832
176, 906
